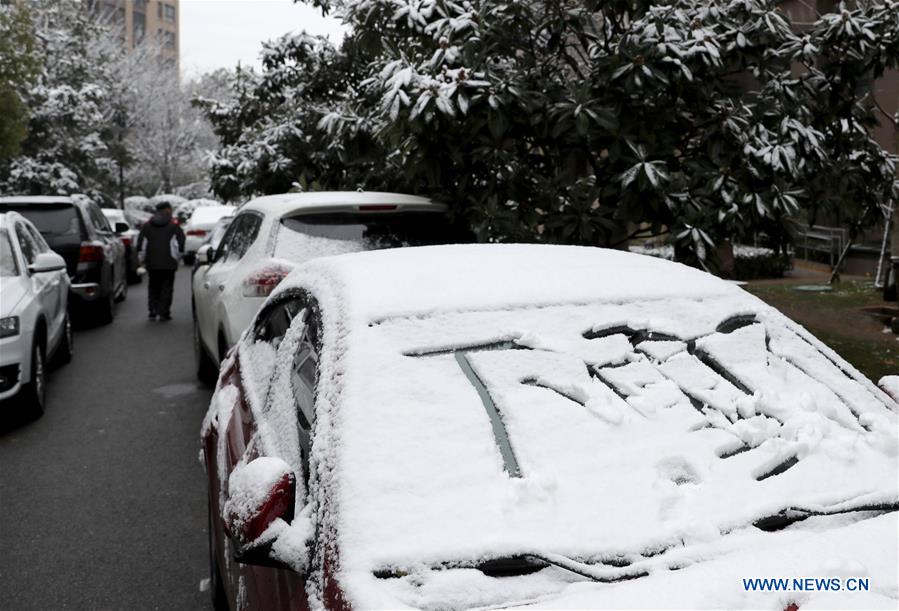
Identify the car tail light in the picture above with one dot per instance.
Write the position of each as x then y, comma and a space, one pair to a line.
90, 253
196, 232
262, 282
126, 241
377, 207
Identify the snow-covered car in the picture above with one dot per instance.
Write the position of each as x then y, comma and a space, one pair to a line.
183, 211
128, 237
499, 426
270, 235
34, 319
199, 225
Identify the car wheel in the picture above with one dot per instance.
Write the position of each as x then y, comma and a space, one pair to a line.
216, 586
207, 372
67, 344
34, 394
106, 309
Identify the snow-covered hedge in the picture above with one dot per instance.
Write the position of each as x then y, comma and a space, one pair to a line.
750, 262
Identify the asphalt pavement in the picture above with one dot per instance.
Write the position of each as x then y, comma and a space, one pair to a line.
103, 500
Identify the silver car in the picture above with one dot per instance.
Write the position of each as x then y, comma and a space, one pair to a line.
34, 320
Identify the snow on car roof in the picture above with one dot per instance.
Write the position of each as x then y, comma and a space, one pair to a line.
35, 199
617, 413
478, 276
210, 214
288, 202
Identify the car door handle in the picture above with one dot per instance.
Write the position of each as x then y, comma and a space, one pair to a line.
221, 287
206, 285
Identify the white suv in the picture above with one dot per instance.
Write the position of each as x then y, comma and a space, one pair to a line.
270, 235
34, 321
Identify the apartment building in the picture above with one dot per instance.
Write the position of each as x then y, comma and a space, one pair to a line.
142, 20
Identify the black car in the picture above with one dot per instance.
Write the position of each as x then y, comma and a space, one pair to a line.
75, 228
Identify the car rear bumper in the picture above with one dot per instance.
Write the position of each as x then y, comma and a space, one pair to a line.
87, 291
192, 244
14, 365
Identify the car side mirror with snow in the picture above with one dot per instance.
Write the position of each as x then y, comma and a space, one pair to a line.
260, 499
121, 228
47, 262
205, 254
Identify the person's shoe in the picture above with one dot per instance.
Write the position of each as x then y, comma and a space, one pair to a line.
152, 316
165, 317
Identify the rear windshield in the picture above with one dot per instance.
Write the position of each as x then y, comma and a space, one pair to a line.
8, 265
378, 230
50, 219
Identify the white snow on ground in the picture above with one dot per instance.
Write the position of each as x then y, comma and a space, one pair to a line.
646, 439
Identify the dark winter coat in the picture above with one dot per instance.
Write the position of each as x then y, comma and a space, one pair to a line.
160, 242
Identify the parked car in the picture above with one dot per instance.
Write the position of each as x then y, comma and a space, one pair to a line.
269, 235
128, 236
75, 228
199, 225
183, 211
34, 319
213, 238
536, 426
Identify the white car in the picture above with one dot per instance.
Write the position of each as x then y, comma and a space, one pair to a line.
34, 320
128, 236
200, 224
270, 235
500, 426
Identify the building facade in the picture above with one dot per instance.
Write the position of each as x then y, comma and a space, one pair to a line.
155, 21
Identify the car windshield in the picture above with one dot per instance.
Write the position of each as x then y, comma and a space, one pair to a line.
8, 266
570, 430
50, 219
335, 233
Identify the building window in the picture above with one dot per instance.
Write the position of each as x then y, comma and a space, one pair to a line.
140, 5
139, 27
159, 10
169, 12
168, 39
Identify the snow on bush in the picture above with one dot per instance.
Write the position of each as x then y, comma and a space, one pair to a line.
750, 262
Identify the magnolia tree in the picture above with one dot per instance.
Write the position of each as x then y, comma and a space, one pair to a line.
593, 122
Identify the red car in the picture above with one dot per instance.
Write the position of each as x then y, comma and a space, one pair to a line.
489, 426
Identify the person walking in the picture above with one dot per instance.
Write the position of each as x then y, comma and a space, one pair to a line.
160, 244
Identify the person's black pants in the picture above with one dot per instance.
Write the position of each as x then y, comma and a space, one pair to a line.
159, 291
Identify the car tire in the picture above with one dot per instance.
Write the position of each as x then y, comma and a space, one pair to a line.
216, 586
105, 310
34, 394
66, 345
207, 372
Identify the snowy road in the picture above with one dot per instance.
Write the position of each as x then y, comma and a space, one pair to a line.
102, 501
